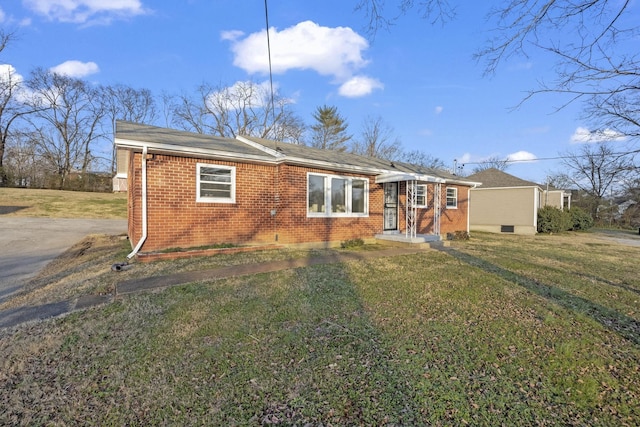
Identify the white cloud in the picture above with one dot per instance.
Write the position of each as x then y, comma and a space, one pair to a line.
359, 86
2, 15
86, 11
439, 109
335, 52
466, 158
522, 156
231, 35
585, 136
9, 74
76, 68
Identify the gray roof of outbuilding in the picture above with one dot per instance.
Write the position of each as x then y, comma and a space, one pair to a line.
495, 178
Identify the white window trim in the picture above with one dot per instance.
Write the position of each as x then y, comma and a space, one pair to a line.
201, 199
446, 202
348, 196
426, 200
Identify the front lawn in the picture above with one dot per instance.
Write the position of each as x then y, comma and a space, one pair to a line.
504, 330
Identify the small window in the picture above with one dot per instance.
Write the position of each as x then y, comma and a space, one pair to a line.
421, 196
216, 183
452, 198
507, 228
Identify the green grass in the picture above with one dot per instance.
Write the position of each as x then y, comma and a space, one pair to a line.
504, 330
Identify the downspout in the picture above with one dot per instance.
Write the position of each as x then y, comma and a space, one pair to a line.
144, 205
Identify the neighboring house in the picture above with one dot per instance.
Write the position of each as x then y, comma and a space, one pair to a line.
189, 190
504, 203
122, 165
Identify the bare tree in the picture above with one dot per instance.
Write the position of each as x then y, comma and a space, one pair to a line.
593, 41
493, 162
377, 140
10, 107
126, 103
598, 170
380, 18
246, 108
329, 132
418, 157
66, 121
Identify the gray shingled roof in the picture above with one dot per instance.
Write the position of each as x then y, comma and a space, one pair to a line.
187, 142
304, 152
182, 140
495, 178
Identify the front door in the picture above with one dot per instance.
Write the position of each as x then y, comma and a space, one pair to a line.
390, 206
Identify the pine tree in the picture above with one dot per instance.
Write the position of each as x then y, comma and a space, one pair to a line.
330, 131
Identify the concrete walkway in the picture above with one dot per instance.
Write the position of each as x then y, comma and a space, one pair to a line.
27, 245
13, 317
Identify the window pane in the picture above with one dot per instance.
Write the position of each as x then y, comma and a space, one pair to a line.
215, 190
316, 193
357, 196
338, 195
452, 197
215, 175
421, 195
216, 182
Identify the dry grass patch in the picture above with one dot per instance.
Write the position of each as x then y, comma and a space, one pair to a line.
62, 204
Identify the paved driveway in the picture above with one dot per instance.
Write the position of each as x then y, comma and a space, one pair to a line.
28, 244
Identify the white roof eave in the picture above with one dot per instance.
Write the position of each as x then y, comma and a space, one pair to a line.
404, 176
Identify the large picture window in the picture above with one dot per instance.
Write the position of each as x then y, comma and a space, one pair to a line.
452, 198
216, 183
330, 195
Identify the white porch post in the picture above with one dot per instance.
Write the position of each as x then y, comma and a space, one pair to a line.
436, 208
410, 231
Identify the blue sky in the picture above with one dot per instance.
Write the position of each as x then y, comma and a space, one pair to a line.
420, 78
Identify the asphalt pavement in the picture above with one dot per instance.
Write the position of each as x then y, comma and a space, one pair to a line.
27, 245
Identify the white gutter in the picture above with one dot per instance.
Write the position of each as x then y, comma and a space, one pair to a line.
144, 204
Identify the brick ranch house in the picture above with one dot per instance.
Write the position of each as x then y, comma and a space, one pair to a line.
189, 190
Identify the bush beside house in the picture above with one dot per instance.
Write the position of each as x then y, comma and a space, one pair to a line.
554, 220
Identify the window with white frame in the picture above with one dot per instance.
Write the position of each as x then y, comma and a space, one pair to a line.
216, 183
331, 195
421, 195
452, 198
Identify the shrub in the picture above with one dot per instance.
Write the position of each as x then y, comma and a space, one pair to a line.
553, 220
353, 243
580, 219
458, 235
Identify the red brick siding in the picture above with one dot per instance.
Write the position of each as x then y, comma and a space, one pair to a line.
450, 219
175, 219
295, 227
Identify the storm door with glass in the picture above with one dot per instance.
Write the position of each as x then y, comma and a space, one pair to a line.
390, 206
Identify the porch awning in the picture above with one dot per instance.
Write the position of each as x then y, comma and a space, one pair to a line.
405, 176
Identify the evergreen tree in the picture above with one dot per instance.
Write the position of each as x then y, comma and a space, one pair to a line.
330, 131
